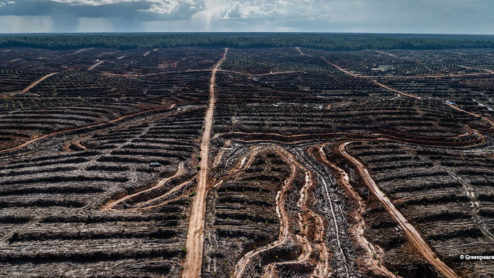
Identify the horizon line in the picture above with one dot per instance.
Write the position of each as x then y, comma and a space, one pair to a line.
248, 32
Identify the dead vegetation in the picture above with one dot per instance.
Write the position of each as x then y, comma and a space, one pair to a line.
259, 163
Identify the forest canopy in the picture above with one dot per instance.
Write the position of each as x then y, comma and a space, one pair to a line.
327, 41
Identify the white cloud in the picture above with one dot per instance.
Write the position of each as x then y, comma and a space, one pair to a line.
156, 6
227, 9
428, 16
5, 3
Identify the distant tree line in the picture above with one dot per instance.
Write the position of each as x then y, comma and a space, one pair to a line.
327, 41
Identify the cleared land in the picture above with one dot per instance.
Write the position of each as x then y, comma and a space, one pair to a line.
238, 162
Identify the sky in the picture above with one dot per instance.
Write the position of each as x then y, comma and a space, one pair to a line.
375, 16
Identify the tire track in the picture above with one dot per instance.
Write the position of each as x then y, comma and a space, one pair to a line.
195, 235
312, 226
374, 258
412, 234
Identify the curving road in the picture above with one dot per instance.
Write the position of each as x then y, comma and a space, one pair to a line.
45, 136
412, 234
374, 258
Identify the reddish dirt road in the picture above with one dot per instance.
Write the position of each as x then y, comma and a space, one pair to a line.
372, 80
25, 144
110, 205
284, 233
32, 85
195, 235
491, 122
396, 91
310, 235
340, 68
373, 260
412, 234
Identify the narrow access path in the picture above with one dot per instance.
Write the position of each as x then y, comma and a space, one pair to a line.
372, 80
491, 122
394, 90
341, 69
386, 53
32, 85
111, 204
81, 50
195, 234
374, 259
429, 76
284, 232
260, 74
481, 69
27, 143
310, 235
95, 65
412, 234
300, 51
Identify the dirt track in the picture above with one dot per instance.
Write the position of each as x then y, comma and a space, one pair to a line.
110, 205
25, 144
374, 258
32, 85
195, 235
491, 122
95, 65
412, 234
372, 80
311, 232
396, 91
300, 51
386, 53
284, 227
259, 74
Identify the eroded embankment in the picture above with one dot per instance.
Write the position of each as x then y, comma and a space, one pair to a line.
310, 235
412, 234
373, 259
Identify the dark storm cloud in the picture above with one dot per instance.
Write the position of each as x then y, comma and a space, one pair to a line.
410, 16
141, 10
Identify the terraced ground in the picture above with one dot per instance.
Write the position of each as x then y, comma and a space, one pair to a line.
266, 162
